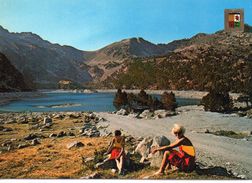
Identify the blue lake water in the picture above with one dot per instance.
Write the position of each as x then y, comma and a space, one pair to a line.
98, 102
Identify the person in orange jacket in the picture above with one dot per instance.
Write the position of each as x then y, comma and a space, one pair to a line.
184, 159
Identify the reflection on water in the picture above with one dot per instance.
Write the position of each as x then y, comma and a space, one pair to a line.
99, 102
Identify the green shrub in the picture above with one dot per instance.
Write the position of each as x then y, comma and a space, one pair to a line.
120, 100
142, 101
217, 102
169, 101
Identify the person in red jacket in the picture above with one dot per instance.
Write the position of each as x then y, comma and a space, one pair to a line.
184, 159
116, 150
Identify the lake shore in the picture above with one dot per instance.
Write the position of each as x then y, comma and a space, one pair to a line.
7, 97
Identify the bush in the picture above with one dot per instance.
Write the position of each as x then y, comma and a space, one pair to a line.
169, 101
142, 101
120, 100
217, 102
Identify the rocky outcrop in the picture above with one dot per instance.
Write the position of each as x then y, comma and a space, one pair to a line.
10, 78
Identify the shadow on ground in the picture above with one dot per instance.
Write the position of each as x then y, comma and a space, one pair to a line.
216, 170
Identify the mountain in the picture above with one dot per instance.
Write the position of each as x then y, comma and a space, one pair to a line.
109, 59
41, 62
221, 60
44, 64
10, 78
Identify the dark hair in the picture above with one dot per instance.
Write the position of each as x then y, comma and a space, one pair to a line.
118, 133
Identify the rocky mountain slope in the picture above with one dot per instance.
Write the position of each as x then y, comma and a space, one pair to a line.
109, 59
221, 60
42, 62
10, 78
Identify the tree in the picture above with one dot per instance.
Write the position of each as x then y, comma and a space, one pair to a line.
169, 101
216, 101
120, 100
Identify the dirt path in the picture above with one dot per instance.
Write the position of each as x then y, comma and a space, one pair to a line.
233, 154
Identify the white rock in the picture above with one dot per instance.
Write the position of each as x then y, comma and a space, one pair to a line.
75, 144
47, 120
121, 112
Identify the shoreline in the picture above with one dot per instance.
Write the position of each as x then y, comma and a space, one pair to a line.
7, 97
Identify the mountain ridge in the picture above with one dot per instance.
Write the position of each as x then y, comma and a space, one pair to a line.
45, 64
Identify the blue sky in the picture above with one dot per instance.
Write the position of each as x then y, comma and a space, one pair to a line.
92, 24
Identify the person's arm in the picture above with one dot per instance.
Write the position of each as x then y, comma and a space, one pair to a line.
169, 147
110, 147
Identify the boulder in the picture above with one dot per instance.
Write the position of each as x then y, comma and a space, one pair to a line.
47, 120
91, 133
7, 129
52, 135
163, 113
75, 144
61, 134
70, 134
145, 146
23, 120
146, 114
86, 119
248, 133
35, 142
31, 136
122, 112
21, 146
10, 121
58, 116
249, 113
206, 131
91, 116
133, 115
156, 159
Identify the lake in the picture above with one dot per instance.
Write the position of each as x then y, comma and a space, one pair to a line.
98, 102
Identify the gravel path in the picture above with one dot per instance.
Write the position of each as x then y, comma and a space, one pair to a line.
212, 150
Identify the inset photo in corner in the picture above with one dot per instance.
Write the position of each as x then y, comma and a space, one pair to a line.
126, 90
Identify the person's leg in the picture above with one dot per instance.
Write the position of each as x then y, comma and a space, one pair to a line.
121, 164
164, 163
117, 164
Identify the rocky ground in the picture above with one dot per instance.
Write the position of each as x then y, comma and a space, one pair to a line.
234, 154
71, 144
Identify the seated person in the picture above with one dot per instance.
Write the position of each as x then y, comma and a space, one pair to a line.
184, 159
116, 150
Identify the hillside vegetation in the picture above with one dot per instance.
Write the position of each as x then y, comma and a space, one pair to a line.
223, 63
